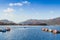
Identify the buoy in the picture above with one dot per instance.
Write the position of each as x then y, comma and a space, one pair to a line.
54, 31
3, 30
43, 29
46, 29
49, 30
24, 27
8, 29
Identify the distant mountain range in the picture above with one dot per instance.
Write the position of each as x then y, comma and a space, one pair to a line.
55, 21
6, 22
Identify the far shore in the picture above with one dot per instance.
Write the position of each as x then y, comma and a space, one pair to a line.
29, 25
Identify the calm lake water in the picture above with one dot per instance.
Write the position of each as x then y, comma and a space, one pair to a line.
29, 33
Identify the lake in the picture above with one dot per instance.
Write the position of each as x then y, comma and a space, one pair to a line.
29, 33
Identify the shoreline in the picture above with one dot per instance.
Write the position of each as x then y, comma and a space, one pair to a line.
29, 25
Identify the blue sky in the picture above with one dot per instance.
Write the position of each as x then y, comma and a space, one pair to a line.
21, 10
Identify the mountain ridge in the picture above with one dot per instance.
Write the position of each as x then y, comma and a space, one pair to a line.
54, 21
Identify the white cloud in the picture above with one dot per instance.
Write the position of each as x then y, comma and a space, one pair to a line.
19, 3
7, 14
8, 10
15, 4
26, 2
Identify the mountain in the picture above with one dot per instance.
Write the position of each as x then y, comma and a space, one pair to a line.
33, 22
55, 21
6, 22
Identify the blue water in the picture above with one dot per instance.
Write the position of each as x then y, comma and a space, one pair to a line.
29, 33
